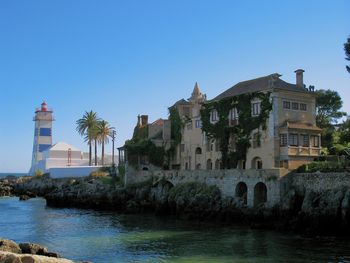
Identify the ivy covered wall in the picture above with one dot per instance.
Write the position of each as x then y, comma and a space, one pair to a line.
241, 132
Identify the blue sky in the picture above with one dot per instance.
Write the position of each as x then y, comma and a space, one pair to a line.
124, 58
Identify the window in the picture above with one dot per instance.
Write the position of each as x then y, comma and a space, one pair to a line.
315, 141
189, 125
293, 139
233, 117
305, 140
256, 140
233, 114
210, 146
295, 106
255, 108
198, 124
283, 139
303, 107
286, 104
214, 116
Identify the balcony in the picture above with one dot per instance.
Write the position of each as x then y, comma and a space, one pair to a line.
299, 151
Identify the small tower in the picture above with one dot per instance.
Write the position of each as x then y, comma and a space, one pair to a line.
42, 134
197, 95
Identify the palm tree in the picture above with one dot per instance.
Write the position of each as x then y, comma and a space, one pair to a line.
87, 126
104, 131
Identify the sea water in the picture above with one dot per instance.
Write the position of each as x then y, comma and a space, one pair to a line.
105, 236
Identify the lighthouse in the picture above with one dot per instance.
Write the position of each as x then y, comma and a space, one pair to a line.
42, 134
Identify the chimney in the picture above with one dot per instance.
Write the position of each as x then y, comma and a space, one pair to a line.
144, 120
138, 120
299, 77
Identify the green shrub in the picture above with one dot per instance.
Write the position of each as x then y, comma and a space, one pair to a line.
38, 173
324, 167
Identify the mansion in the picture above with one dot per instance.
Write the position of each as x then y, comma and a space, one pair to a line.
290, 137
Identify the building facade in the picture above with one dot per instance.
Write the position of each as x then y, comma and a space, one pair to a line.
291, 137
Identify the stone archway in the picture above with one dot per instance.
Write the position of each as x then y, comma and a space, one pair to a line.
257, 163
242, 191
260, 194
209, 164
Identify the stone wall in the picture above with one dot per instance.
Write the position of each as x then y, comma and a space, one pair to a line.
318, 182
225, 180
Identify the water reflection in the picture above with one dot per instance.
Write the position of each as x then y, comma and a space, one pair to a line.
102, 236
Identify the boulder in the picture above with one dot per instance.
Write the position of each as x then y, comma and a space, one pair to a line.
8, 257
9, 246
35, 249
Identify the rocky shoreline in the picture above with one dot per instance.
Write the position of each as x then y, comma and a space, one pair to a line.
10, 251
303, 211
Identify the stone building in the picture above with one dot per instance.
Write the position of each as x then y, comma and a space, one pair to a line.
291, 137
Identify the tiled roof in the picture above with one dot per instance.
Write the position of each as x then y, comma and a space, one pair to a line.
182, 102
300, 126
260, 84
159, 122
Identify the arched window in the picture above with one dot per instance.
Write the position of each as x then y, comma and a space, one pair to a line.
198, 150
257, 163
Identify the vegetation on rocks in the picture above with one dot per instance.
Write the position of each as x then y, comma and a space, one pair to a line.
192, 189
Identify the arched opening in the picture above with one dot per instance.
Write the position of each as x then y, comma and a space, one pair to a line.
260, 194
217, 164
197, 159
242, 191
186, 166
257, 163
209, 164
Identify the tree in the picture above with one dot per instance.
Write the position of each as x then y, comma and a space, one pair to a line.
86, 126
104, 131
344, 132
347, 53
328, 105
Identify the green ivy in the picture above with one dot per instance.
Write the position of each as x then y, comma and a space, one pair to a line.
176, 125
242, 132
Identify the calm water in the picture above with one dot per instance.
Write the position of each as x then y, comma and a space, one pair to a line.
110, 237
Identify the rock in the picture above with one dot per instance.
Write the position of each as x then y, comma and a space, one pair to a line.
35, 249
24, 197
9, 246
8, 257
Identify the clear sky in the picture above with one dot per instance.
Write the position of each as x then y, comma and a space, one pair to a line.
124, 58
